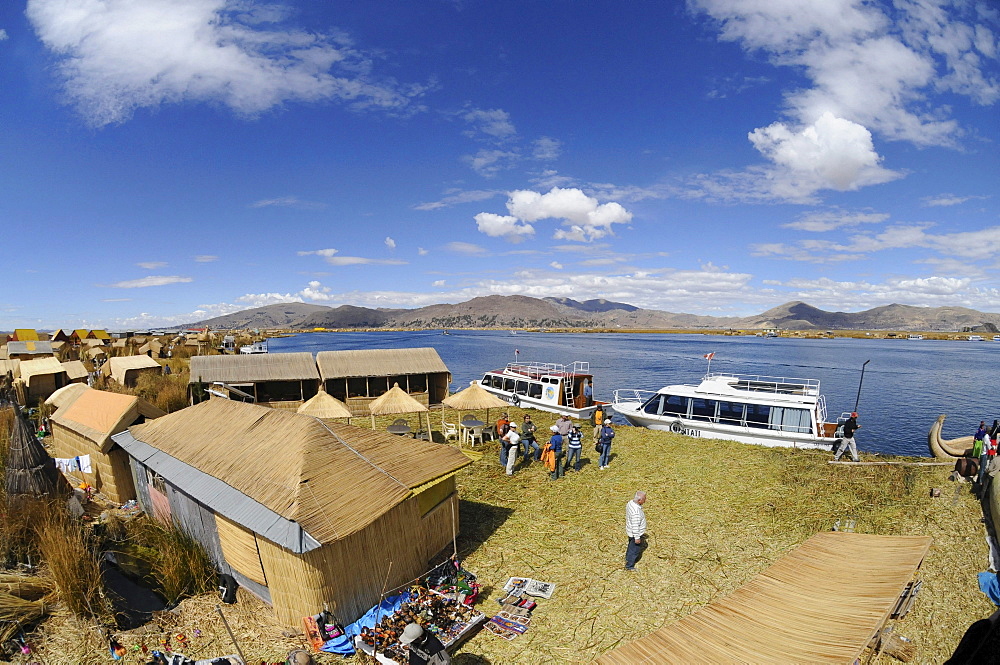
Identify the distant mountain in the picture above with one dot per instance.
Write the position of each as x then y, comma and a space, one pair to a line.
526, 312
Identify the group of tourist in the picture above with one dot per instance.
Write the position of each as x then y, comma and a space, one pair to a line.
564, 448
984, 448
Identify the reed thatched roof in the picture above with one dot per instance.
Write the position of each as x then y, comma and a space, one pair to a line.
117, 368
93, 342
379, 362
96, 352
26, 335
254, 368
395, 401
331, 479
30, 471
66, 395
474, 397
96, 415
75, 369
12, 366
39, 367
324, 405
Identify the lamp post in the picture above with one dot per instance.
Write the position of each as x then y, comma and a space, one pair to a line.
859, 384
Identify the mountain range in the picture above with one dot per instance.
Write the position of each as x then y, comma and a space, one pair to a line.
527, 312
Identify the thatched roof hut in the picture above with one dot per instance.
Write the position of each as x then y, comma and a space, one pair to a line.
25, 335
283, 380
315, 520
84, 426
60, 336
76, 371
12, 366
126, 369
66, 395
324, 406
42, 377
30, 472
396, 402
357, 377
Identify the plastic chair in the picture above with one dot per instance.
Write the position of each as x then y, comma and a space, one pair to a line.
475, 433
450, 431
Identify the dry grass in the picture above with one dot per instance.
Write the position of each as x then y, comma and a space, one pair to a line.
67, 547
178, 563
166, 392
719, 513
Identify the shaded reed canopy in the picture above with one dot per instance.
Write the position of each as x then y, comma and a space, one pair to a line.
474, 397
30, 471
393, 402
324, 405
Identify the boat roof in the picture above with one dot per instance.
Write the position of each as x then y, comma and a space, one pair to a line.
750, 388
538, 370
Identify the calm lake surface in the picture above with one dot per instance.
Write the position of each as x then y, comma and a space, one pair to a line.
907, 384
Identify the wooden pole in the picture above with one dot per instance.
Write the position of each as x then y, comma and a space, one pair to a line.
230, 631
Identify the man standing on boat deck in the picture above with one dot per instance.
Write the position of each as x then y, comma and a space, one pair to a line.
850, 427
635, 529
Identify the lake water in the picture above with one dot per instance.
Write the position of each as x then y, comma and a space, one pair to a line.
907, 384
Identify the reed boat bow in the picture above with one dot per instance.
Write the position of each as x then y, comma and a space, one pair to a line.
947, 448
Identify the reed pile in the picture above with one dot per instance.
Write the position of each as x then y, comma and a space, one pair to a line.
68, 549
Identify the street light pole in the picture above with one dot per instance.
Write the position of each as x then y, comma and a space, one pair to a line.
859, 384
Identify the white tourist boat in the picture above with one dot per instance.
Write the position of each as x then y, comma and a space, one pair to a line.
763, 410
545, 386
256, 347
915, 337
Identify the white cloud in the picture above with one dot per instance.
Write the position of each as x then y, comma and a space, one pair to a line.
152, 265
288, 202
556, 265
438, 282
827, 220
319, 252
206, 258
494, 123
315, 291
116, 56
584, 219
116, 299
252, 300
390, 243
152, 280
546, 148
498, 226
361, 260
457, 197
488, 163
422, 252
467, 248
3, 35
948, 200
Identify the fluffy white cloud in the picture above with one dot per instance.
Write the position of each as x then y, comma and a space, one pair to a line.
319, 252
3, 35
116, 56
422, 252
438, 282
948, 200
152, 280
546, 148
152, 265
832, 153
499, 226
251, 300
584, 219
555, 265
494, 123
390, 243
315, 291
361, 260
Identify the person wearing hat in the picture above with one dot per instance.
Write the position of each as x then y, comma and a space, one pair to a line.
556, 447
850, 427
527, 435
511, 442
424, 647
604, 444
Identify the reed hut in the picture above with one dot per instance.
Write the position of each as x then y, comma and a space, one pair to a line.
397, 402
76, 371
28, 350
279, 380
30, 472
24, 335
60, 336
42, 377
358, 377
152, 347
84, 426
126, 369
325, 407
66, 395
93, 342
299, 511
13, 367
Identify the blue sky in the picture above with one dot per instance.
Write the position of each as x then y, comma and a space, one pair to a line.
171, 160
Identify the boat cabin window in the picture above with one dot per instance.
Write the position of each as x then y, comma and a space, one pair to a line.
508, 385
653, 405
731, 413
535, 390
521, 388
675, 405
703, 409
790, 420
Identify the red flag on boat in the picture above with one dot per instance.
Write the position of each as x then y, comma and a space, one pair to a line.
516, 352
709, 356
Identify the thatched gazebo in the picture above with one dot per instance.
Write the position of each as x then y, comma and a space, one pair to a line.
323, 405
30, 472
396, 401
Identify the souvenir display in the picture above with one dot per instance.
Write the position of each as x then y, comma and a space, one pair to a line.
445, 617
514, 617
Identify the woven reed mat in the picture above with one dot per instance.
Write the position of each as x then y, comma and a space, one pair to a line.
820, 603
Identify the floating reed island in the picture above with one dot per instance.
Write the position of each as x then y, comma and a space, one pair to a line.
719, 513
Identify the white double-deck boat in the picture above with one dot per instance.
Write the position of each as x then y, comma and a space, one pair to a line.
256, 347
546, 387
763, 410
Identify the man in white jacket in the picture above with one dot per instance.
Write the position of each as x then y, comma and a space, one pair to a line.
635, 529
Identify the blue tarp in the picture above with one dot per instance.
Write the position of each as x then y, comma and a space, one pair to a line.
344, 644
989, 584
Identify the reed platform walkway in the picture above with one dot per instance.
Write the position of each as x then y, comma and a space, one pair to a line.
820, 603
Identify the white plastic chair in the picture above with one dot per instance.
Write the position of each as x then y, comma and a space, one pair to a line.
450, 431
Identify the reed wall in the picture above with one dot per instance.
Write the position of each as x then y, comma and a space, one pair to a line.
111, 475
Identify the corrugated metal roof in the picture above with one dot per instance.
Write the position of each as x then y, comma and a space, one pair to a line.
253, 368
333, 480
379, 362
219, 497
29, 348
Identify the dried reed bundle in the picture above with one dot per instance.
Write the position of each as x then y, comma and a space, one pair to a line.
28, 587
16, 614
67, 548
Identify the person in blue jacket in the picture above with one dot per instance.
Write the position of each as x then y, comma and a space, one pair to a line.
556, 446
604, 443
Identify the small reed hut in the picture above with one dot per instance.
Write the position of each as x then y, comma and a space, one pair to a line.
299, 511
76, 371
30, 473
42, 377
279, 380
85, 426
359, 377
126, 369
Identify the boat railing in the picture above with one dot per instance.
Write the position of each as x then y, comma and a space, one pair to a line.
627, 395
821, 409
541, 369
780, 385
